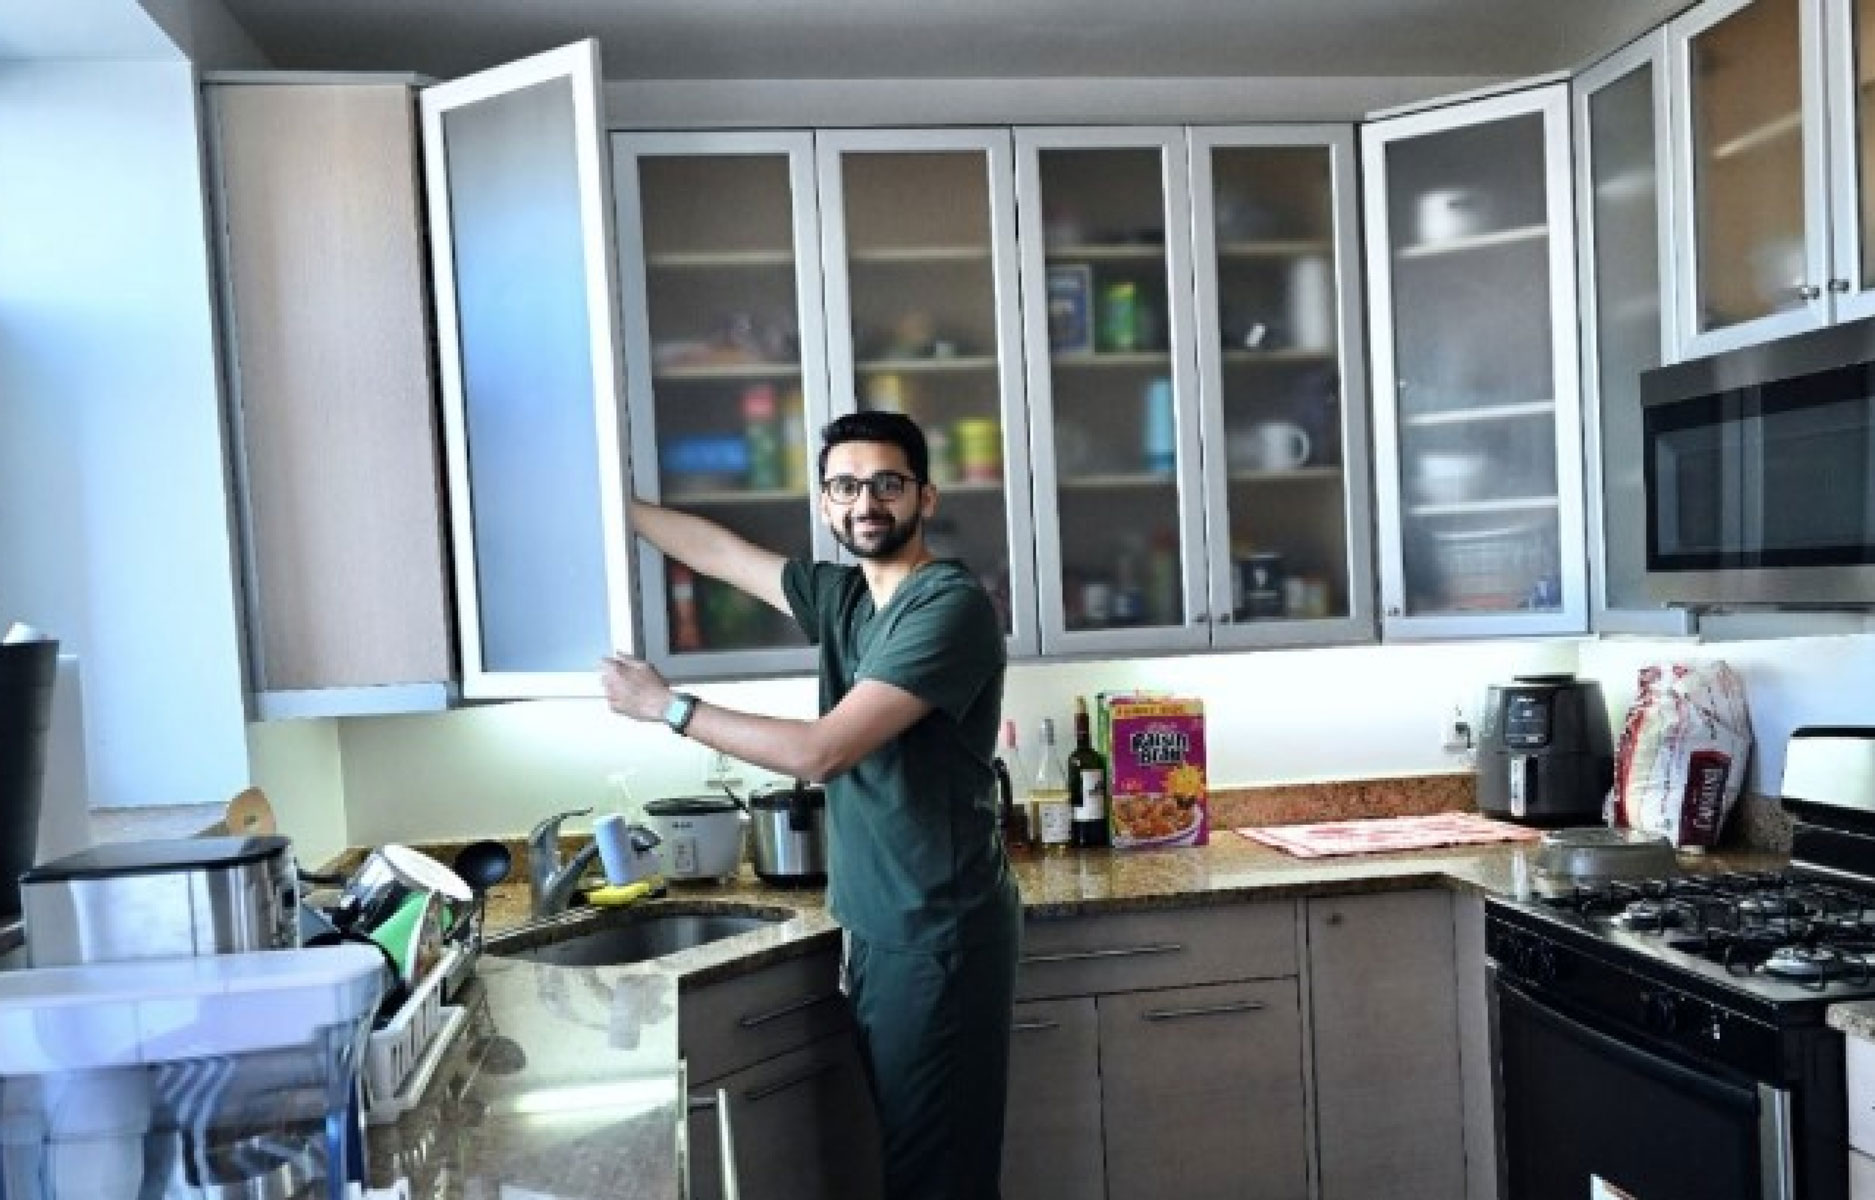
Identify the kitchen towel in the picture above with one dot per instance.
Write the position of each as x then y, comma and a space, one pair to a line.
1381, 834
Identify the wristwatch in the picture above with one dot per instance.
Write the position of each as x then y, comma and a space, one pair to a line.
677, 714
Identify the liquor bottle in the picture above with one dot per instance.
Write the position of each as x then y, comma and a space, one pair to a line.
1087, 783
1012, 780
1051, 806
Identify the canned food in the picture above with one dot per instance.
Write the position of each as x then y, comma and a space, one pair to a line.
979, 449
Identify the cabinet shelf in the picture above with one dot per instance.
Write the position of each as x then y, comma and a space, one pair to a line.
1487, 412
1118, 481
1466, 508
735, 496
730, 371
969, 487
1773, 130
1273, 357
1294, 475
690, 260
927, 366
1476, 241
1123, 252
886, 255
1276, 248
1116, 358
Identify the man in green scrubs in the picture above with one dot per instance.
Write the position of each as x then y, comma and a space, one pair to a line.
911, 683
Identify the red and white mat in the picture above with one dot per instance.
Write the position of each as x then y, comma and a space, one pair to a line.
1380, 834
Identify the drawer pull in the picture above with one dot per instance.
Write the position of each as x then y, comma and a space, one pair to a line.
1202, 1010
1033, 1026
781, 1085
1093, 955
775, 1014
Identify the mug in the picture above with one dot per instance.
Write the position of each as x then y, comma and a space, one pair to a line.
1271, 446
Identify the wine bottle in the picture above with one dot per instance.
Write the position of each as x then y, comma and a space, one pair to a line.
1087, 783
1050, 803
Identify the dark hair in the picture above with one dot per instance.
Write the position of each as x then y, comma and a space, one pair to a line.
892, 428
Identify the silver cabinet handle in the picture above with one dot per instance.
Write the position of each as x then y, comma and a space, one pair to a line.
783, 1084
1201, 1010
1033, 1026
1200, 617
775, 1014
1087, 955
1839, 286
1809, 291
726, 1147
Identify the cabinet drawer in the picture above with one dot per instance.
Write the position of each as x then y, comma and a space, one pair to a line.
1859, 1055
726, 1026
1124, 952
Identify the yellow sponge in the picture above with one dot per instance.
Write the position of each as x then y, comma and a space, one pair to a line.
612, 897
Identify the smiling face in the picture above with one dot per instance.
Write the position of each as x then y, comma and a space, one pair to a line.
871, 528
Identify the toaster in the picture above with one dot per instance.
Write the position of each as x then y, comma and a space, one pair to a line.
161, 899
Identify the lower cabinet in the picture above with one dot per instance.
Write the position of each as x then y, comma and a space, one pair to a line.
1052, 1134
1201, 1093
1384, 1010
803, 1128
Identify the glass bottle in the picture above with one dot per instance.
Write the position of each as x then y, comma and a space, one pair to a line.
686, 628
1013, 777
1051, 806
1087, 784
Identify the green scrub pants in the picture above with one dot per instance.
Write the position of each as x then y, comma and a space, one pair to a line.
934, 1035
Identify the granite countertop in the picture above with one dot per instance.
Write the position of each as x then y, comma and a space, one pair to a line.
566, 1084
1857, 1019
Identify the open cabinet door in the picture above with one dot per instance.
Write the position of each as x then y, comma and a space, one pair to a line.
521, 237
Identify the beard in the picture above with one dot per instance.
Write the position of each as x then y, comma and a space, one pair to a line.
881, 543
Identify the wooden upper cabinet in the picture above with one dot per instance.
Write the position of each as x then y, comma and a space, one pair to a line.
332, 401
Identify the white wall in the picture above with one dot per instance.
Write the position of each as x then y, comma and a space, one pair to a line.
113, 510
297, 764
1271, 717
1788, 682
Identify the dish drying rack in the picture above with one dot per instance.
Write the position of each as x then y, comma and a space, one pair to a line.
402, 1058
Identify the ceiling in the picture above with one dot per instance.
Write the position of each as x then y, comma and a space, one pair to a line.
950, 39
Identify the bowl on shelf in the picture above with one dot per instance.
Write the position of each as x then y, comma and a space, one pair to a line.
1447, 476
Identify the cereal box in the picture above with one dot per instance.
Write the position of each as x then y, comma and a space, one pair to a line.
1156, 763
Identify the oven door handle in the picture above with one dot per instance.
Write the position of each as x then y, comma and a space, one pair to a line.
1672, 1074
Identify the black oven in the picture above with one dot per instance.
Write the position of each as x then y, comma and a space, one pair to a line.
1759, 473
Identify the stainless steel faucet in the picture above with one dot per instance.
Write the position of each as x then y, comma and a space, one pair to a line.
550, 882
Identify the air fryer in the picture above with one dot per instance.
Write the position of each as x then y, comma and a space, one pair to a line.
1545, 751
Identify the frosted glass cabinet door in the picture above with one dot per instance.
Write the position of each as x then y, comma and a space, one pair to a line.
1285, 396
526, 317
1752, 221
1479, 463
719, 254
1850, 37
1106, 268
919, 230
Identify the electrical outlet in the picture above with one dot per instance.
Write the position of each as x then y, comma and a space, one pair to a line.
1457, 736
720, 770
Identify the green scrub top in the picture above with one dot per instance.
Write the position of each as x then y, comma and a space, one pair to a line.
915, 860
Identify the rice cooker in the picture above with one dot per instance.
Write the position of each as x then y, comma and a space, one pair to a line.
701, 836
791, 834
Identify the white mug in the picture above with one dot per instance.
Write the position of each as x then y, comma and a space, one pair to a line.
1272, 446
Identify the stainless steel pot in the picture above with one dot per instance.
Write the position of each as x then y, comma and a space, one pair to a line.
789, 822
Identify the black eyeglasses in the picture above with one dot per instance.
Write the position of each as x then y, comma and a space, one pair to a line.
885, 486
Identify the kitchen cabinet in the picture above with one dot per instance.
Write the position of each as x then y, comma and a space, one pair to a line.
1279, 337
330, 396
919, 257
1773, 211
1107, 309
1471, 287
725, 376
1052, 1139
1624, 187
1202, 1092
520, 235
1383, 1000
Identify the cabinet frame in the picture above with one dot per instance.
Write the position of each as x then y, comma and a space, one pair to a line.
798, 147
1357, 495
1815, 312
1169, 141
1847, 237
1649, 51
1551, 102
830, 148
578, 65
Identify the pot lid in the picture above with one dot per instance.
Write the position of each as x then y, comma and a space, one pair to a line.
783, 796
690, 806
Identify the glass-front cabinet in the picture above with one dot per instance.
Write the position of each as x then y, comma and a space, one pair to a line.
1284, 397
1477, 428
1112, 385
718, 241
920, 262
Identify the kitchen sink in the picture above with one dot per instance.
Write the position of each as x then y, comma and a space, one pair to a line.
632, 936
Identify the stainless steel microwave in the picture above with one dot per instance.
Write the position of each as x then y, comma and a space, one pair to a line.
1759, 474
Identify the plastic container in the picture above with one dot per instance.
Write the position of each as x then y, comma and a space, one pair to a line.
227, 1074
402, 1057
